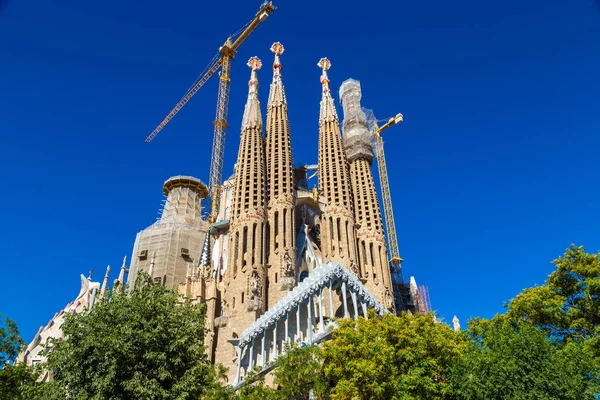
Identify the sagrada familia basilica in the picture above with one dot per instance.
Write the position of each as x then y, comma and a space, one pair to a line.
285, 257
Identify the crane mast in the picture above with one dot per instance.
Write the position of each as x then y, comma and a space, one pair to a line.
223, 61
390, 224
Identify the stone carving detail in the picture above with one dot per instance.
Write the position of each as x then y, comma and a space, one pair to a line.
255, 286
288, 273
354, 269
288, 265
221, 321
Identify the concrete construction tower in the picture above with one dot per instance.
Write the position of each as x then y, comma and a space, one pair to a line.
245, 280
281, 236
338, 241
169, 247
372, 249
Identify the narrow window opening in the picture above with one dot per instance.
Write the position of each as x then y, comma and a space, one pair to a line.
236, 252
276, 230
254, 246
348, 237
364, 253
339, 234
331, 234
284, 227
244, 245
268, 241
242, 299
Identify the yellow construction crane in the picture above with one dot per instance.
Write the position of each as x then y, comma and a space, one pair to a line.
221, 60
390, 224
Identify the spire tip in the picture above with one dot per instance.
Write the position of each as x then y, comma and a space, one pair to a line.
324, 64
254, 63
277, 48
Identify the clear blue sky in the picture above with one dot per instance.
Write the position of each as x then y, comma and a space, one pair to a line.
494, 171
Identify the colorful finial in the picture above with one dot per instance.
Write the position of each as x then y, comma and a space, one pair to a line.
324, 64
252, 110
254, 63
278, 49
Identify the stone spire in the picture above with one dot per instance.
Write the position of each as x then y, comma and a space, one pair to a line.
244, 285
327, 111
338, 240
121, 278
372, 250
105, 282
246, 249
281, 244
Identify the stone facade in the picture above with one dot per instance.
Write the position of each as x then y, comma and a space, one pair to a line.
283, 259
273, 231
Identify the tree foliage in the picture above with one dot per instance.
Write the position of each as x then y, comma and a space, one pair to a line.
300, 372
391, 357
516, 361
19, 382
141, 346
567, 306
14, 379
10, 341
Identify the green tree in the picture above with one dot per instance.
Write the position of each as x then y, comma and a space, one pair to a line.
296, 374
17, 382
567, 306
391, 357
300, 372
516, 361
141, 346
10, 341
254, 388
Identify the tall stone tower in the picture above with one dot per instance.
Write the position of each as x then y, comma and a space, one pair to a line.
281, 246
337, 222
372, 250
245, 280
171, 245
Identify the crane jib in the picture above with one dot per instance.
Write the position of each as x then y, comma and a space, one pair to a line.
227, 51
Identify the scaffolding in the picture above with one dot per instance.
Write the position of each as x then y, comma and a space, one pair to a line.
424, 301
168, 248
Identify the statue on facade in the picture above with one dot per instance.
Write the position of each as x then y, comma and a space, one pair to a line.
255, 285
354, 269
288, 265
